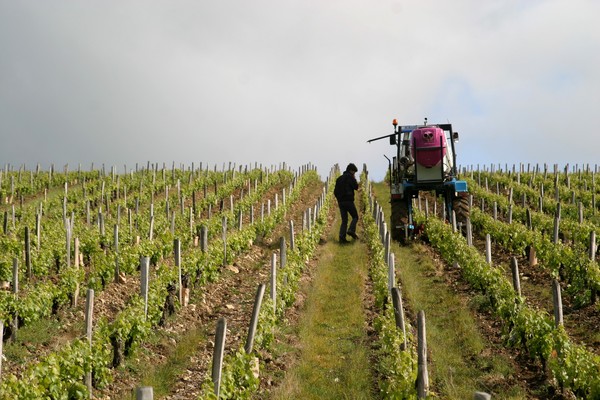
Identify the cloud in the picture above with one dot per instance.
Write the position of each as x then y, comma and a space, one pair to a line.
121, 82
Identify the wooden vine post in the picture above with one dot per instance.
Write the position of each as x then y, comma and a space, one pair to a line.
203, 238
454, 225
469, 232
1, 346
422, 375
219, 350
254, 321
144, 393
77, 253
15, 325
557, 299
101, 222
274, 280
145, 264
532, 256
282, 253
116, 247
89, 314
192, 226
75, 298
592, 256
88, 217
488, 249
151, 232
386, 247
68, 242
292, 242
28, 252
38, 229
177, 251
399, 314
515, 275
224, 237
391, 270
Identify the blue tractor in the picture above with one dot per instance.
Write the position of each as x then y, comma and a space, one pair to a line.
425, 161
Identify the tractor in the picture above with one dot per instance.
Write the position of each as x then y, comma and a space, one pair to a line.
425, 161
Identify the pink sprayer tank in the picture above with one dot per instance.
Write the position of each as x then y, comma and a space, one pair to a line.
428, 141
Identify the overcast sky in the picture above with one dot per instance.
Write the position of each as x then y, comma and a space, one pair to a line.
125, 82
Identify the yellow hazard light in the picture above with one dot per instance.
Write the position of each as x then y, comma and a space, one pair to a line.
395, 122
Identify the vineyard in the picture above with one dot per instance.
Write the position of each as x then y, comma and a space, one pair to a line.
529, 249
107, 277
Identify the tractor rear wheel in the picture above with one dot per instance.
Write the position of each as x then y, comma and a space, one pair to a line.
460, 205
399, 220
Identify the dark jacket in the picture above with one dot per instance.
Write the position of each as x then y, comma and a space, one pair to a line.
345, 185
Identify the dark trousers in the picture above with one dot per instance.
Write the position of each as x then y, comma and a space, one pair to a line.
347, 207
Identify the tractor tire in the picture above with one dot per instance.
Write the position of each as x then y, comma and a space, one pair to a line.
398, 220
460, 205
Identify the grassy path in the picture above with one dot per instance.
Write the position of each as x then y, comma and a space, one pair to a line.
334, 359
334, 347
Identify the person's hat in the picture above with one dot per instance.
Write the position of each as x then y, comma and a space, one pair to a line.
351, 168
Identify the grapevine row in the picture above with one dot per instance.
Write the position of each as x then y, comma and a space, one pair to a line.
571, 365
121, 327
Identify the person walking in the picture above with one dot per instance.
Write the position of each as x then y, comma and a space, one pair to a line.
345, 185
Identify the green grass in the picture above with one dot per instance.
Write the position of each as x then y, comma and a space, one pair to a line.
37, 334
461, 360
163, 376
334, 349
